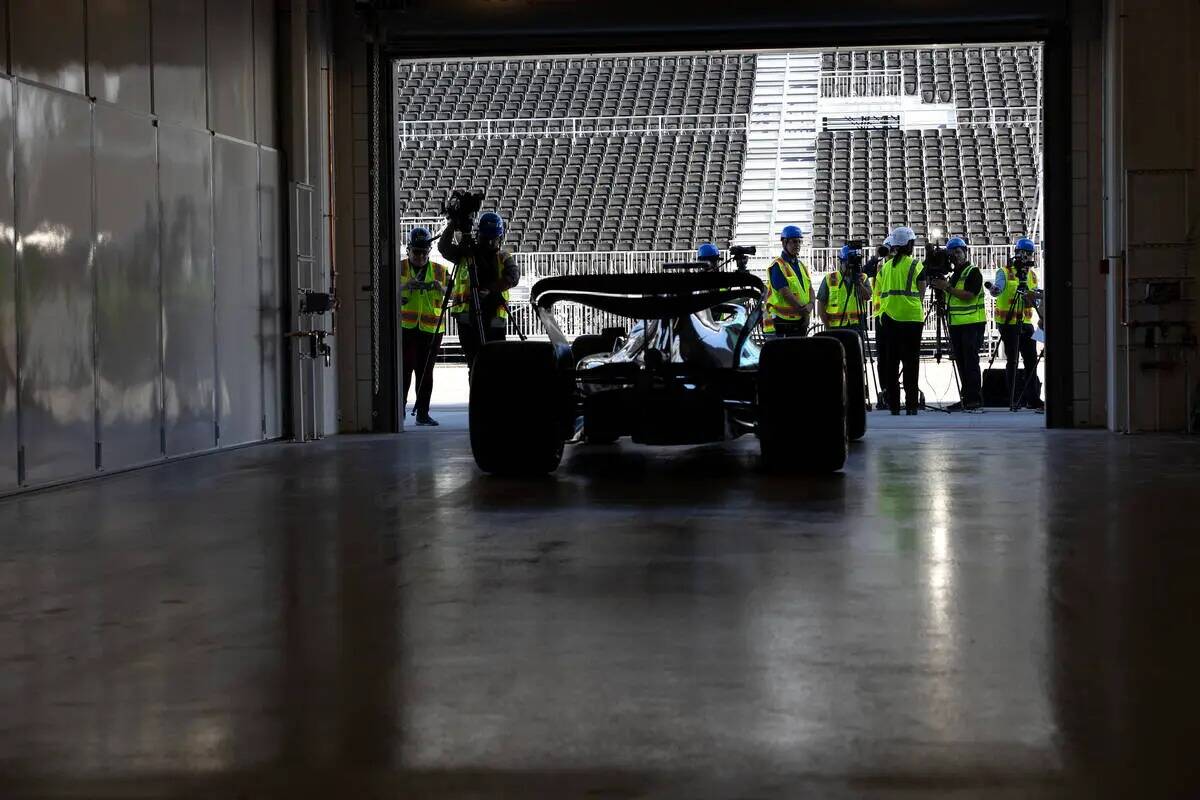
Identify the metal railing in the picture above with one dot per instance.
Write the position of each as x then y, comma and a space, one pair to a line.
650, 124
577, 320
860, 83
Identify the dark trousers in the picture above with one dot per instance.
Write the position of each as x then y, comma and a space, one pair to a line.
1018, 341
900, 345
469, 339
417, 345
965, 341
786, 328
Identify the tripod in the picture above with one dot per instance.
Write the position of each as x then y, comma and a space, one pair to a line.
863, 305
937, 307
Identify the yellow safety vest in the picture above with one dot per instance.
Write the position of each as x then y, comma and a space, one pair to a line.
777, 306
1007, 298
422, 308
965, 312
899, 297
461, 296
843, 305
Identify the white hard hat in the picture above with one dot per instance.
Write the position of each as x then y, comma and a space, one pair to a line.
902, 236
888, 241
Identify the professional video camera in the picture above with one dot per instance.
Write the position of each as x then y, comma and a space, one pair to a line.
741, 255
937, 261
461, 208
1021, 265
854, 261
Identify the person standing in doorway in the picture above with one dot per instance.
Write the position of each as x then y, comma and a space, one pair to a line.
790, 297
422, 289
901, 285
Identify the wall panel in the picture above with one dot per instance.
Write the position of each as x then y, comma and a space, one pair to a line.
118, 47
271, 260
189, 338
128, 354
48, 42
55, 283
8, 297
265, 112
231, 68
179, 57
239, 318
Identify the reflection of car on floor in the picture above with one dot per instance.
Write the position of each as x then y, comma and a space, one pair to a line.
687, 372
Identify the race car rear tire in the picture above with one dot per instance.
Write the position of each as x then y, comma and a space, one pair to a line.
856, 382
519, 408
802, 404
589, 345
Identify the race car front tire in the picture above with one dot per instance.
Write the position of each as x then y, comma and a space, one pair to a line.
519, 409
590, 344
802, 404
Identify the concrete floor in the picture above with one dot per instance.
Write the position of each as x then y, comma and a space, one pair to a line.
995, 611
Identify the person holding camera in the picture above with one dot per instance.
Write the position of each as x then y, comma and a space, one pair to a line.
789, 302
901, 284
844, 299
496, 272
422, 288
967, 316
1015, 290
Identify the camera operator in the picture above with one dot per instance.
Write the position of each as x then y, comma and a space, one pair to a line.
496, 271
901, 285
843, 301
422, 288
967, 317
789, 302
1015, 290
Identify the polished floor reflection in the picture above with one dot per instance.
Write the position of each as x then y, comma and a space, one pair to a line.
983, 612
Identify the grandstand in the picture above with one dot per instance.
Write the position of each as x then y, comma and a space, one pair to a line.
621, 153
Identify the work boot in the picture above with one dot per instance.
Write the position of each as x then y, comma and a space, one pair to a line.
425, 419
959, 406
1036, 404
972, 405
911, 412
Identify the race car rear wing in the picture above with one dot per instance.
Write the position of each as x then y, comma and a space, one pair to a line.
654, 295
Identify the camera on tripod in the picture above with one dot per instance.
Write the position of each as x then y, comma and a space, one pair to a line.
1021, 264
461, 208
854, 260
937, 261
741, 254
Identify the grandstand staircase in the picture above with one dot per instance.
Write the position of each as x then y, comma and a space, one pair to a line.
781, 149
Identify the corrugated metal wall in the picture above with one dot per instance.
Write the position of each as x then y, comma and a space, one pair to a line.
140, 233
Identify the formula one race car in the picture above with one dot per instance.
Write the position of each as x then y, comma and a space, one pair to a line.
687, 372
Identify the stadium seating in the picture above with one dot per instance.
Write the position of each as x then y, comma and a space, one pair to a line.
970, 77
599, 191
972, 182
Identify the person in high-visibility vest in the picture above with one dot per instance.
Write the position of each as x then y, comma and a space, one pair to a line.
841, 304
497, 272
422, 289
1016, 300
901, 320
967, 317
789, 304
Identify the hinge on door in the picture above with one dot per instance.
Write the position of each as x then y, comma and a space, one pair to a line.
99, 457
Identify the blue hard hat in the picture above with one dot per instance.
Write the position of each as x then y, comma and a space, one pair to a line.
956, 242
1026, 245
846, 252
420, 238
708, 250
792, 232
491, 225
